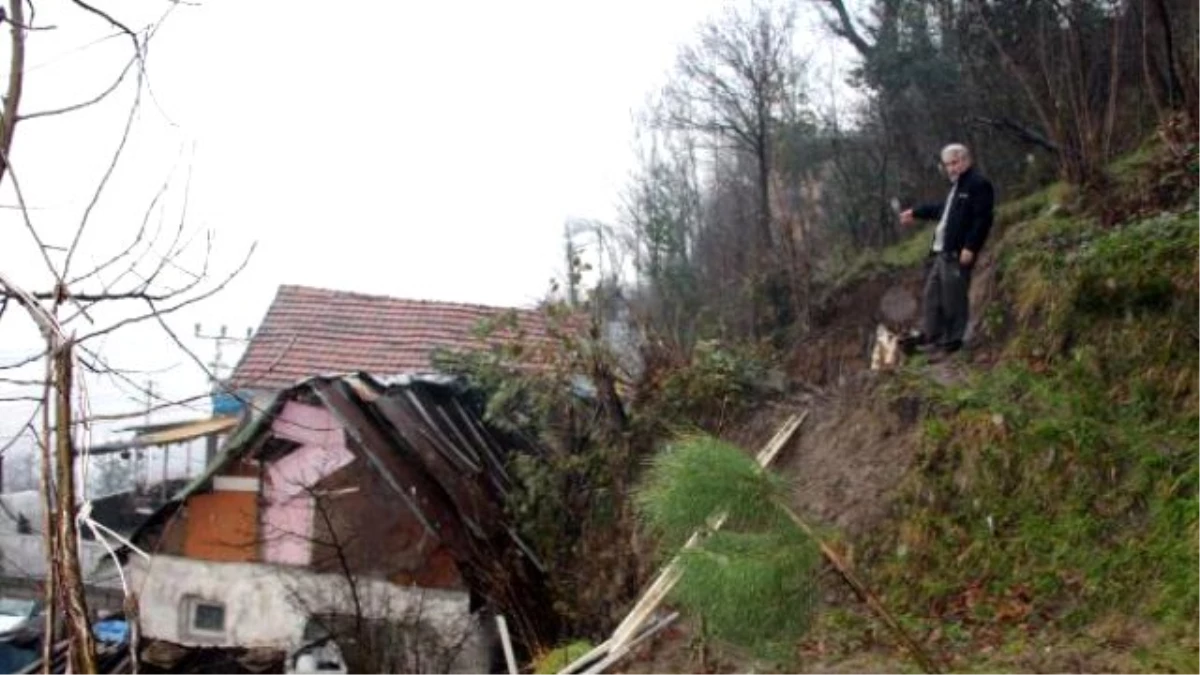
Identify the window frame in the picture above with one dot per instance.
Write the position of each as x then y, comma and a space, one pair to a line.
191, 608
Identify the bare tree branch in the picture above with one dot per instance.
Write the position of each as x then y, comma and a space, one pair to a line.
141, 233
845, 28
28, 426
155, 310
108, 172
4, 164
99, 297
1022, 131
116, 24
80, 106
16, 73
21, 382
4, 17
24, 362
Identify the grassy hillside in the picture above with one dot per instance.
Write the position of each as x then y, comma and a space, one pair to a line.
1030, 504
1050, 520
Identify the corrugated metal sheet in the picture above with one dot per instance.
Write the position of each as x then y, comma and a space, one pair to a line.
166, 434
438, 458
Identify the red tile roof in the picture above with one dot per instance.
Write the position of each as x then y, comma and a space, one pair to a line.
312, 331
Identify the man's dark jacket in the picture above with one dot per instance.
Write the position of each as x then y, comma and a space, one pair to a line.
970, 216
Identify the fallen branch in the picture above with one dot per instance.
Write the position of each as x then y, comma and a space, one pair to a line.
918, 653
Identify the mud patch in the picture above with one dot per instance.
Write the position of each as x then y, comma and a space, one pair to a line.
839, 346
852, 454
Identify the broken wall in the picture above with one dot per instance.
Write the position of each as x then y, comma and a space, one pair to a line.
273, 606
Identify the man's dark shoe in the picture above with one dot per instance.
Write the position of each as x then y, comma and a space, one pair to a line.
939, 355
928, 348
945, 351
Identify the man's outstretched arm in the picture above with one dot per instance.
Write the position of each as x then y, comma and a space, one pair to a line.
922, 212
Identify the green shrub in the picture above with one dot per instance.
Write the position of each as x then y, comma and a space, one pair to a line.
558, 658
752, 583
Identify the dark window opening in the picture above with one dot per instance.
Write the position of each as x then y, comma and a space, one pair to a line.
208, 617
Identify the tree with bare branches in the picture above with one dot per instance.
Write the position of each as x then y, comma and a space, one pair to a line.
738, 87
151, 277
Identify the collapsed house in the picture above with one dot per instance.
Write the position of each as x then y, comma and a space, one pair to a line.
346, 508
360, 511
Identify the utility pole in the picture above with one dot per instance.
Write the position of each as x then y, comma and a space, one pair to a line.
141, 465
216, 373
165, 449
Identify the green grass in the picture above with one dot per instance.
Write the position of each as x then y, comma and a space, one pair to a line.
1043, 203
1053, 520
864, 264
910, 251
1059, 489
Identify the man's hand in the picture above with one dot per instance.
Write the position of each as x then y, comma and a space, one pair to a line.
906, 218
965, 258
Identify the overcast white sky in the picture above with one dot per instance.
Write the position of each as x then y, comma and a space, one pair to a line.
425, 150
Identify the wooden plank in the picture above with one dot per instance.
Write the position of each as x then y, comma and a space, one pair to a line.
511, 660
669, 576
619, 653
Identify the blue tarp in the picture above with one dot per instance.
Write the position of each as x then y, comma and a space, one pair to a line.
225, 403
112, 631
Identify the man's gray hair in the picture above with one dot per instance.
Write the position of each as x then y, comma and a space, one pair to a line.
957, 151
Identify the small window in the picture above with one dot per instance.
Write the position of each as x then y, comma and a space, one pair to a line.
204, 617
209, 617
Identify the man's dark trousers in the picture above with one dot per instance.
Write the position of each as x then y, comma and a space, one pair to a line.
946, 303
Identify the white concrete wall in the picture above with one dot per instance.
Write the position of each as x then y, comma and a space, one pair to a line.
269, 605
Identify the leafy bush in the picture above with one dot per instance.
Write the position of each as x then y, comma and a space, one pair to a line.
717, 384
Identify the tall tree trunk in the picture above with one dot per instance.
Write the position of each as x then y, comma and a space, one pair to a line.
1164, 18
82, 644
48, 537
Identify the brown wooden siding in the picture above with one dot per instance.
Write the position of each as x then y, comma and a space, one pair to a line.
222, 526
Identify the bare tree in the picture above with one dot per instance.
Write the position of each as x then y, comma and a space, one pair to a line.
739, 86
147, 280
662, 211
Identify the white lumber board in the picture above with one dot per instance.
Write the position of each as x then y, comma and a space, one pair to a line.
669, 576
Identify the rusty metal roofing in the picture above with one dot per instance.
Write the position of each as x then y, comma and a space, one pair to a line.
166, 434
313, 331
440, 459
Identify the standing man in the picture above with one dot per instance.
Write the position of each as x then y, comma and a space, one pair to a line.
965, 220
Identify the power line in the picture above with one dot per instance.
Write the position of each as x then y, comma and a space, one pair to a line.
215, 368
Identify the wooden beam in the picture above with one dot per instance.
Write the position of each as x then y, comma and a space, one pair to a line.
629, 628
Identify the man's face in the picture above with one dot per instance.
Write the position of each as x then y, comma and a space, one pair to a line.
955, 165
